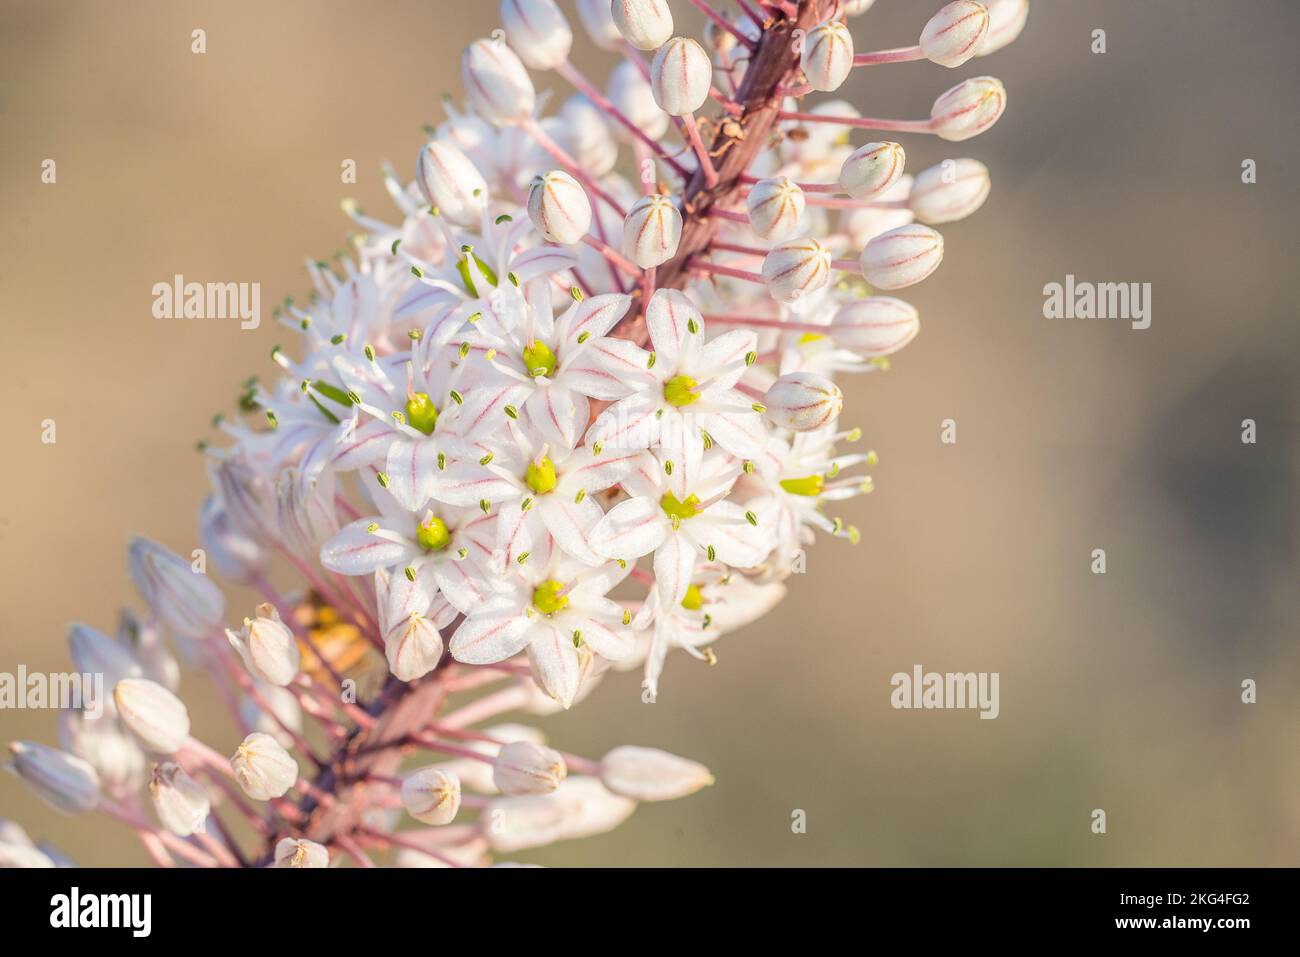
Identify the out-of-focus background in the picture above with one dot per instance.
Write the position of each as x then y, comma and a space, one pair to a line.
1119, 691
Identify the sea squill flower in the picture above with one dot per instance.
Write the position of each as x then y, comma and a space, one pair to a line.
573, 407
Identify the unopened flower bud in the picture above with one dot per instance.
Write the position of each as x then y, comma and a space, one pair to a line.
559, 207
949, 191
431, 795
584, 133
902, 256
1006, 20
93, 652
235, 555
968, 109
263, 768
413, 647
827, 55
496, 82
652, 230
631, 94
268, 646
796, 268
110, 749
526, 768
537, 31
599, 23
870, 170
277, 715
775, 207
646, 24
64, 781
854, 8
180, 802
648, 774
158, 719
875, 326
681, 75
580, 807
23, 855
183, 599
803, 401
449, 181
952, 35
300, 852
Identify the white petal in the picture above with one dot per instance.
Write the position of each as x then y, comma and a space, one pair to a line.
489, 639
355, 551
630, 529
674, 565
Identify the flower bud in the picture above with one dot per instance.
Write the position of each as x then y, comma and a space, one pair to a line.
106, 745
796, 268
870, 170
827, 55
902, 256
23, 855
775, 207
680, 76
281, 713
268, 647
599, 23
236, 556
180, 802
875, 326
646, 24
559, 207
631, 94
584, 134
300, 852
853, 8
64, 781
93, 652
652, 230
952, 35
263, 768
526, 768
648, 774
950, 191
496, 83
431, 795
145, 641
157, 718
580, 807
537, 31
1006, 20
450, 182
968, 109
803, 401
184, 600
413, 647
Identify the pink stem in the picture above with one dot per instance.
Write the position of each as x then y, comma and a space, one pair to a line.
896, 55
863, 123
531, 127
703, 265
759, 322
721, 21
584, 86
701, 152
615, 257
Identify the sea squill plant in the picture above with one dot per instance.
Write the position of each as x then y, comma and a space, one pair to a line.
574, 410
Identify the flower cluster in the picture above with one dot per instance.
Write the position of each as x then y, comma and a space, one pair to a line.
575, 409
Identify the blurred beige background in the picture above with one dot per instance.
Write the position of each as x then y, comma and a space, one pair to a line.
1118, 692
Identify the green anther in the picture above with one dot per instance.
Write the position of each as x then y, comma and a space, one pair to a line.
855, 536
576, 293
332, 392
583, 337
751, 358
456, 397
382, 479
270, 419
463, 552
396, 243
668, 467
577, 638
540, 475
759, 407
485, 459
523, 557
484, 505
808, 337
596, 447
627, 617
355, 398
305, 324
707, 439
751, 518
677, 509
650, 362
853, 435
694, 599
442, 461
462, 267
417, 272
338, 340
514, 280
692, 326
810, 485
410, 573
504, 218
370, 352
711, 552
677, 391
833, 471
708, 620
432, 534
421, 412
475, 317
577, 499
748, 466
372, 527
526, 504
414, 335
548, 597
539, 359
872, 458
511, 412
464, 350
399, 417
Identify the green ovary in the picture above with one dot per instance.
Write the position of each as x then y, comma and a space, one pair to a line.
694, 599
810, 485
677, 509
539, 359
547, 597
677, 391
540, 475
421, 412
433, 534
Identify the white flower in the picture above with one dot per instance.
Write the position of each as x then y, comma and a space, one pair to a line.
872, 169
775, 207
652, 230
496, 83
648, 774
451, 182
954, 34
158, 719
268, 646
969, 108
537, 31
950, 191
680, 76
523, 767
875, 326
796, 268
646, 24
902, 257
827, 55
431, 795
300, 852
181, 804
803, 401
559, 208
185, 599
64, 781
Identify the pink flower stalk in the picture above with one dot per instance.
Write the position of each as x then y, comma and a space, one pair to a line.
575, 410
